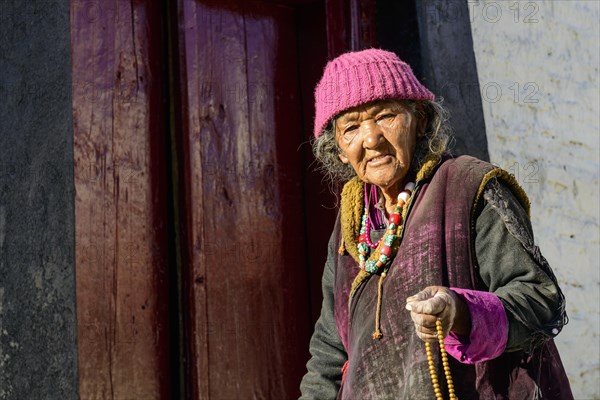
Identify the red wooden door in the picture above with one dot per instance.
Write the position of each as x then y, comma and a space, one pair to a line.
247, 295
120, 200
201, 228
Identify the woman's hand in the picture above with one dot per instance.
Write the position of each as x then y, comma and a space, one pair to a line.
435, 302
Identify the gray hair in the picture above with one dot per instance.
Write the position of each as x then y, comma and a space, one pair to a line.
435, 142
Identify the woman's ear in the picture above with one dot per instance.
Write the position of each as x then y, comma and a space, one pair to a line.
343, 157
421, 126
421, 119
341, 154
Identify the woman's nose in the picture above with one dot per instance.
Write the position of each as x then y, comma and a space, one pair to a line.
373, 136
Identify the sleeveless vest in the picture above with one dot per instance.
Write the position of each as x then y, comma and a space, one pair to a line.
436, 248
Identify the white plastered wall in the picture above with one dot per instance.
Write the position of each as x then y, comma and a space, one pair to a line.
537, 63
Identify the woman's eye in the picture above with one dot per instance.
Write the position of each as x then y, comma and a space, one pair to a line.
385, 117
350, 130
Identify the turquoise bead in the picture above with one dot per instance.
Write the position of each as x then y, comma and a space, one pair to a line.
371, 266
363, 247
392, 226
389, 239
383, 258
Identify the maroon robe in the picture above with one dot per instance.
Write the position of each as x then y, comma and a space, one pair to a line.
437, 248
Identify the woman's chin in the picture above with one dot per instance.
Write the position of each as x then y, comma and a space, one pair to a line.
385, 178
384, 182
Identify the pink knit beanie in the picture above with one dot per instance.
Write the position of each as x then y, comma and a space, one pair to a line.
361, 77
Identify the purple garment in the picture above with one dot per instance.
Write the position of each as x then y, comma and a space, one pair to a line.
377, 218
437, 232
489, 328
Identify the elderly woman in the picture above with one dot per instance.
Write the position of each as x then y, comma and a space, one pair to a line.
433, 287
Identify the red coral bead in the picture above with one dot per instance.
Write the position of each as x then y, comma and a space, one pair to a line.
395, 218
387, 250
362, 238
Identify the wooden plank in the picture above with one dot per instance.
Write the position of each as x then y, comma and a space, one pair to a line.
319, 199
362, 21
338, 26
350, 26
246, 286
120, 203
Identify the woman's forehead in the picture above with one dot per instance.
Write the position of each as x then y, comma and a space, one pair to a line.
370, 108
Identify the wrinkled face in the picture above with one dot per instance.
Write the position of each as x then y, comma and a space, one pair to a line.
378, 140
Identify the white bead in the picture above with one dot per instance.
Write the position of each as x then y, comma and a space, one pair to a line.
410, 186
403, 196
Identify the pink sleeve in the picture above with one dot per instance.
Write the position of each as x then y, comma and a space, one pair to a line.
489, 328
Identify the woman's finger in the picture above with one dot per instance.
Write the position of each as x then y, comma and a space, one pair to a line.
425, 329
425, 320
428, 333
424, 294
431, 326
427, 337
434, 305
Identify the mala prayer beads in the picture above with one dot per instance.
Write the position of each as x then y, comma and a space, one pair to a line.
432, 373
385, 248
385, 245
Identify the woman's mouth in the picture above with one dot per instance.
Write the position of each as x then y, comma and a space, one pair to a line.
379, 160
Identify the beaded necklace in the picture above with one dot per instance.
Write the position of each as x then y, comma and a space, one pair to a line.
375, 217
385, 245
432, 373
386, 249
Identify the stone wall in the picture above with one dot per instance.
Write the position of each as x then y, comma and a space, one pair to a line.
537, 64
38, 349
